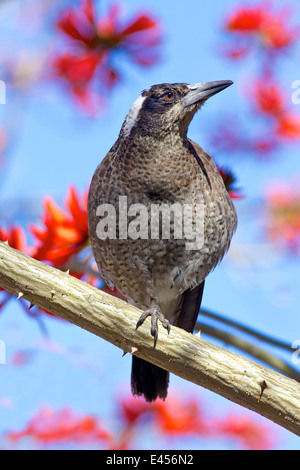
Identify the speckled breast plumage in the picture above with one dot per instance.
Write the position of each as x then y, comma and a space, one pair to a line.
130, 264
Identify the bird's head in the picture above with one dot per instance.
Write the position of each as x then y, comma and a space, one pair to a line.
168, 108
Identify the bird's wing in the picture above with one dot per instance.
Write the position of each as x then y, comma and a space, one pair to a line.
215, 178
189, 308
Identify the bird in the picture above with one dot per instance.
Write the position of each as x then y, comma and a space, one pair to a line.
152, 166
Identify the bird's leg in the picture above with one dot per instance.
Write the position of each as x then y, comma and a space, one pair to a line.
156, 314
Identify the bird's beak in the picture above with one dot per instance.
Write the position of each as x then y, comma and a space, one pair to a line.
202, 91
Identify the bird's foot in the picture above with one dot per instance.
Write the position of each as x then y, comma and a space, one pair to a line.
156, 314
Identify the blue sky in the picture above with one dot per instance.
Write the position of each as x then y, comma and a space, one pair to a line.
55, 146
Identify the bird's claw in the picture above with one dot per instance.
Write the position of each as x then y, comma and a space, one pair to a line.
156, 314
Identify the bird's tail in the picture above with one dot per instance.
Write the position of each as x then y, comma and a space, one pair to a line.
150, 380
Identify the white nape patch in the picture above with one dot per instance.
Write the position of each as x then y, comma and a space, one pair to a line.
132, 116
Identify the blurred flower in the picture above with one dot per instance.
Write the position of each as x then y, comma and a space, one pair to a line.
264, 146
65, 232
250, 434
133, 409
283, 215
288, 126
277, 122
80, 23
15, 237
95, 42
62, 426
78, 72
268, 97
259, 22
172, 416
21, 357
178, 417
247, 19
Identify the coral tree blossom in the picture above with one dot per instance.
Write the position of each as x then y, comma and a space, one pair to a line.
270, 99
260, 23
65, 232
62, 426
94, 43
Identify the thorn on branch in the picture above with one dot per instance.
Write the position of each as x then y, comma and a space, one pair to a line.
263, 385
133, 350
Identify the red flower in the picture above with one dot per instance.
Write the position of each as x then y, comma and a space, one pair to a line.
258, 22
77, 69
288, 126
134, 409
247, 19
15, 237
65, 232
80, 24
269, 97
94, 43
62, 426
175, 417
251, 435
139, 38
172, 416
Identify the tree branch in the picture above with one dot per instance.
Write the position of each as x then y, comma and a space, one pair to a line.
250, 349
240, 380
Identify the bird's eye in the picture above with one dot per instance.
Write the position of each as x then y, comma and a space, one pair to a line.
169, 96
